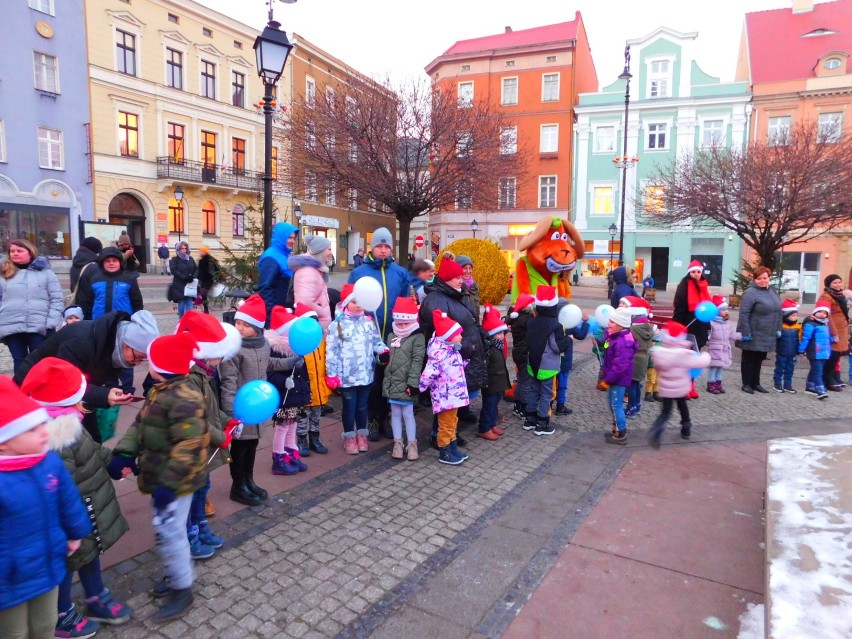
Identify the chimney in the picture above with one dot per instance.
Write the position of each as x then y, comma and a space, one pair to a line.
507, 30
803, 6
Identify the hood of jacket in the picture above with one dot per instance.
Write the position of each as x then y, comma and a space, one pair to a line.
41, 263
303, 260
278, 250
83, 256
63, 430
111, 251
619, 275
278, 344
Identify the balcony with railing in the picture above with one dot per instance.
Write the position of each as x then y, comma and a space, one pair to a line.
227, 177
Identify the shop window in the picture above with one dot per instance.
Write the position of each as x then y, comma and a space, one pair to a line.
48, 228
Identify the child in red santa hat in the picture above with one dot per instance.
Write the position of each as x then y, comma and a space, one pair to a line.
498, 375
643, 333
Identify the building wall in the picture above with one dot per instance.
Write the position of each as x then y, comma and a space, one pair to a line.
44, 204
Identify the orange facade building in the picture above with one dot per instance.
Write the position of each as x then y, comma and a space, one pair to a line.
534, 76
796, 61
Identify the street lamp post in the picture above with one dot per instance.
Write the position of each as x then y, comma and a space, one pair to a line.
271, 48
624, 162
179, 198
474, 226
609, 283
297, 212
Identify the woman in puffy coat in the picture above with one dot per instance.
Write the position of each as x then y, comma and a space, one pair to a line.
759, 324
31, 300
310, 277
838, 318
183, 270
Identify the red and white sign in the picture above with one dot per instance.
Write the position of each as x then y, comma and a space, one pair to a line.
162, 239
419, 241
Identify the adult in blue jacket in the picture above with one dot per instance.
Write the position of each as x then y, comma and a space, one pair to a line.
274, 277
623, 286
395, 281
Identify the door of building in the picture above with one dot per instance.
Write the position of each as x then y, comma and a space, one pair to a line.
660, 266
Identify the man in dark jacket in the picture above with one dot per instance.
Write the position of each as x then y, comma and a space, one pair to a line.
101, 349
87, 253
163, 255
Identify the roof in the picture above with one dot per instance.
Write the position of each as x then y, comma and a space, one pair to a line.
562, 31
778, 52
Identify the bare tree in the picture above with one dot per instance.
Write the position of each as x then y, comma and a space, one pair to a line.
790, 188
408, 151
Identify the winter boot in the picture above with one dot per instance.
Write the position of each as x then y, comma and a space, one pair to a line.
529, 421
562, 409
361, 441
206, 536
719, 387
373, 430
282, 464
445, 456
648, 397
315, 444
257, 490
162, 589
104, 609
655, 435
656, 396
454, 447
241, 494
686, 430
411, 451
177, 603
296, 459
198, 550
350, 445
543, 427
397, 452
618, 437
72, 624
711, 388
304, 446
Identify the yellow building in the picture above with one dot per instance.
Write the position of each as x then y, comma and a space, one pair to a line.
173, 87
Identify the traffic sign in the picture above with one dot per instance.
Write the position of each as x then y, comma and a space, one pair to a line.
419, 241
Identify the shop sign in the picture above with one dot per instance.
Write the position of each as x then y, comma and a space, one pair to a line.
318, 220
521, 230
162, 238
600, 246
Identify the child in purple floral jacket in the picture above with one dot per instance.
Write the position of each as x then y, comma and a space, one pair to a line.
444, 377
619, 349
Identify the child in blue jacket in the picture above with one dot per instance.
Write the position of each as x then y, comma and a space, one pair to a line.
787, 347
42, 518
816, 344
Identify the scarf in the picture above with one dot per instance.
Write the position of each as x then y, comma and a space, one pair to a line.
696, 292
838, 297
469, 282
58, 411
21, 462
353, 316
203, 366
401, 333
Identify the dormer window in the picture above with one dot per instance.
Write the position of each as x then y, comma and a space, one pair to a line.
659, 78
832, 63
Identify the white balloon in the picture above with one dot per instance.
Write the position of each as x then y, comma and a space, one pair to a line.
368, 293
602, 314
570, 316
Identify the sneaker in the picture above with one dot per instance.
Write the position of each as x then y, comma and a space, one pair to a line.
529, 422
821, 394
350, 445
446, 457
517, 412
789, 389
197, 549
73, 624
206, 536
562, 409
361, 442
105, 609
835, 388
544, 428
778, 388
617, 438
162, 588
686, 430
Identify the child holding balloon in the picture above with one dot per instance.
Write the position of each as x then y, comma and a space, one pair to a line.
353, 341
722, 333
576, 325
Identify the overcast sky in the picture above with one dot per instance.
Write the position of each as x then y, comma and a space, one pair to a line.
400, 37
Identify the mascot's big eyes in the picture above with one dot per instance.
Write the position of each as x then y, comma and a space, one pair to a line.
556, 235
565, 237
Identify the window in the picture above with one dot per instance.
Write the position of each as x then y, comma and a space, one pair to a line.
604, 139
658, 79
208, 79
779, 130
330, 96
50, 149
44, 6
712, 133
353, 198
507, 193
175, 136
509, 140
465, 67
831, 64
128, 134
46, 70
465, 94
353, 152
208, 149
310, 92
547, 191
510, 91
125, 52
274, 162
351, 110
174, 19
550, 58
656, 136
330, 192
463, 144
602, 200
549, 138
310, 186
310, 136
206, 32
510, 63
238, 89
174, 69
208, 218
238, 44
830, 127
654, 198
238, 155
238, 221
2, 142
176, 216
550, 87
464, 196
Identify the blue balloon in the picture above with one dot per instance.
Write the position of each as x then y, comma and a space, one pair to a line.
695, 373
593, 324
706, 311
305, 336
256, 401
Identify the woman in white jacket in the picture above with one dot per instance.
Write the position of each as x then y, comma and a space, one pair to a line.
31, 300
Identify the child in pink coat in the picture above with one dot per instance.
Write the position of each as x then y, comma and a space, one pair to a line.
674, 360
722, 333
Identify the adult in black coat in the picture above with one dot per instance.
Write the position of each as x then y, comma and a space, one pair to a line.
87, 253
101, 349
209, 273
183, 270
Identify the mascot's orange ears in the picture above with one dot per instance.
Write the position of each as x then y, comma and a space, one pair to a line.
559, 239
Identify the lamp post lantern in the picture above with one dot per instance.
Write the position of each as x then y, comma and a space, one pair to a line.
271, 48
179, 198
624, 162
612, 233
474, 226
297, 213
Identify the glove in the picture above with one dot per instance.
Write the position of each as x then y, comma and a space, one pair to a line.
777, 333
230, 428
163, 497
746, 338
295, 363
384, 358
834, 340
118, 463
412, 391
332, 382
289, 383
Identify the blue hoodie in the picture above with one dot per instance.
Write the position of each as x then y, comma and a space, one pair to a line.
622, 288
274, 277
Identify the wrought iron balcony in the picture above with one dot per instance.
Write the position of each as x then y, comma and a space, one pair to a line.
225, 176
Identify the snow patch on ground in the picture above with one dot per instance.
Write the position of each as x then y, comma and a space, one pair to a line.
809, 507
751, 622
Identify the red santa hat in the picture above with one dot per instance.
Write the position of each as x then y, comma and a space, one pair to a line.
523, 301
674, 333
695, 265
546, 296
20, 413
347, 294
405, 309
172, 354
492, 323
216, 340
445, 327
448, 270
54, 382
253, 312
820, 307
636, 305
720, 302
303, 310
282, 319
788, 307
